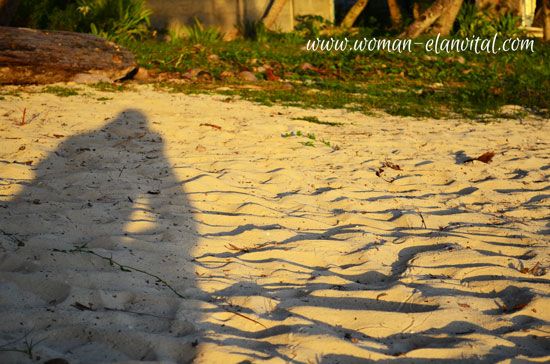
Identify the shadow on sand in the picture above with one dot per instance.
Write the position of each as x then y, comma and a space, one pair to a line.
94, 248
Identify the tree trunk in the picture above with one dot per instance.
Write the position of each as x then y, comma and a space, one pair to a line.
273, 13
444, 24
29, 56
546, 18
8, 8
395, 13
428, 17
354, 13
416, 11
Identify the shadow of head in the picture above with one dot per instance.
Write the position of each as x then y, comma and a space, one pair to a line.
114, 180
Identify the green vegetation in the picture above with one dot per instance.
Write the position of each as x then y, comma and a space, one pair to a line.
118, 20
60, 91
474, 22
415, 84
310, 139
315, 120
109, 87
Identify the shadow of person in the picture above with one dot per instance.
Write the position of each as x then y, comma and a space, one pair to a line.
95, 252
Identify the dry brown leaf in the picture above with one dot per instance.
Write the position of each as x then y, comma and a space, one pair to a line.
391, 165
486, 157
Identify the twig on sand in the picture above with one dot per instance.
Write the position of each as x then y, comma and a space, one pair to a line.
29, 345
127, 268
246, 317
214, 126
422, 218
13, 237
123, 267
23, 118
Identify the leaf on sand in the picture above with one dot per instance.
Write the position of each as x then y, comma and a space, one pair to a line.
537, 270
486, 157
391, 165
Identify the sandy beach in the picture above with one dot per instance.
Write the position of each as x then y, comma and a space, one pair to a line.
148, 226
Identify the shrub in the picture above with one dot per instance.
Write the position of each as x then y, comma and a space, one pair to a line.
198, 33
112, 19
115, 19
474, 22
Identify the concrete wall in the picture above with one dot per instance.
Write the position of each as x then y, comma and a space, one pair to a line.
228, 14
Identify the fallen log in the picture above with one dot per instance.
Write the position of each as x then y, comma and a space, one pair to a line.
29, 56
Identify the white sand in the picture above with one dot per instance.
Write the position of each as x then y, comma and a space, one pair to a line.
277, 251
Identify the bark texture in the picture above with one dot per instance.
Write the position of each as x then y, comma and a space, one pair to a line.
29, 56
273, 13
444, 24
354, 13
432, 14
395, 13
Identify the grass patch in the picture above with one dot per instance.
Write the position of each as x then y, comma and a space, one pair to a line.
14, 93
108, 87
60, 91
419, 84
315, 120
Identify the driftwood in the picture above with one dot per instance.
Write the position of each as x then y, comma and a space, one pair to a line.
29, 56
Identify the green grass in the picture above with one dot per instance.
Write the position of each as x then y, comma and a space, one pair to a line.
417, 84
60, 91
315, 120
14, 93
109, 87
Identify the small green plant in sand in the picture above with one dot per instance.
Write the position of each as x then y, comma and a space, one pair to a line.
311, 138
